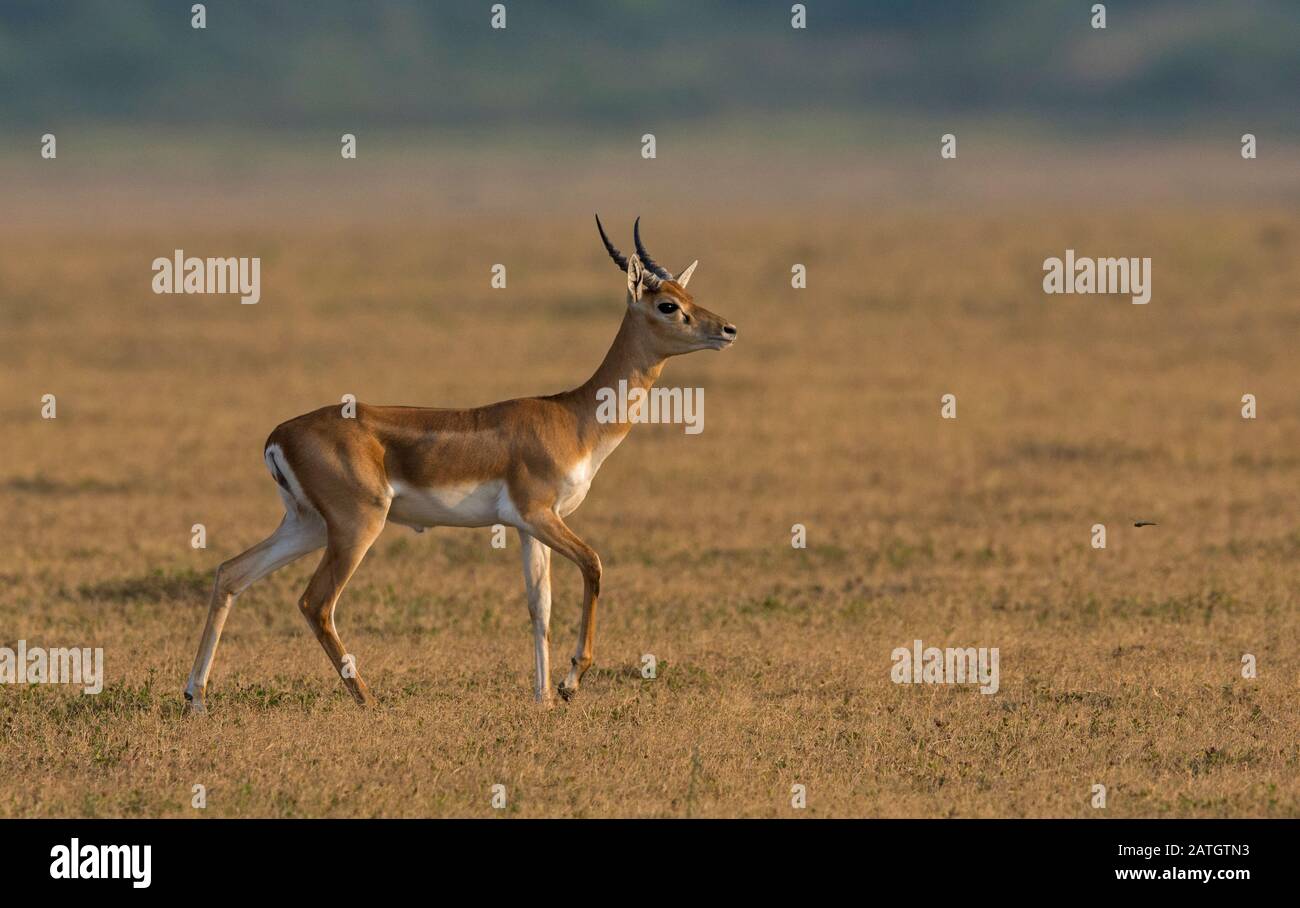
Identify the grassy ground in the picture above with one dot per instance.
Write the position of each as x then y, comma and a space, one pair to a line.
1119, 666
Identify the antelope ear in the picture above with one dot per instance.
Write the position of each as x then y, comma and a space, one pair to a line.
685, 276
639, 278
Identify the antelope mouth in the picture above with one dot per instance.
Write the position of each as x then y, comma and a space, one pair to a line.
721, 341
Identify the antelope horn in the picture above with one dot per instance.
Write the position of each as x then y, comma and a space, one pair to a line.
650, 263
619, 258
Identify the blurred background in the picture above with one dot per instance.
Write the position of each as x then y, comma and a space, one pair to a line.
1167, 65
451, 114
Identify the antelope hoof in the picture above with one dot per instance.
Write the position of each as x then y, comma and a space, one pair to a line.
194, 706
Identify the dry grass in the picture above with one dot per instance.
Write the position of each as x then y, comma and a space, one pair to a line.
1119, 666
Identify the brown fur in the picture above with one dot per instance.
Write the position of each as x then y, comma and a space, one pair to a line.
347, 468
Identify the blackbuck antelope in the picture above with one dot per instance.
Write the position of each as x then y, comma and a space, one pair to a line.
525, 463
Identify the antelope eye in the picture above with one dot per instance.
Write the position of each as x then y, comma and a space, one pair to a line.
667, 308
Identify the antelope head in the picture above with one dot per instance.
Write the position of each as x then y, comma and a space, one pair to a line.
659, 307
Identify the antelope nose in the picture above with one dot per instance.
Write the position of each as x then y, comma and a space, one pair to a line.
729, 330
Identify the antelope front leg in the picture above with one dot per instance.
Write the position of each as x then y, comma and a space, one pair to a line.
585, 654
548, 527
537, 582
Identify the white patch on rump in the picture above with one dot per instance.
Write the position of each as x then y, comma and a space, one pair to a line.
296, 502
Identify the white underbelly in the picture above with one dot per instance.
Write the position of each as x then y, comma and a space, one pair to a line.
469, 505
